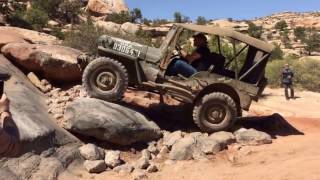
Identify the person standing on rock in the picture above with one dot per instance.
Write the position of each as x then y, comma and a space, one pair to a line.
287, 81
9, 144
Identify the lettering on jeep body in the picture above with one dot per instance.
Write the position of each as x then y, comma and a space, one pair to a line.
126, 49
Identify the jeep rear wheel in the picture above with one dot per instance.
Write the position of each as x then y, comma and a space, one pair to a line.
105, 79
214, 112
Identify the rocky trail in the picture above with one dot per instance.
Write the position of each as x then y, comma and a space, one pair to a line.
293, 154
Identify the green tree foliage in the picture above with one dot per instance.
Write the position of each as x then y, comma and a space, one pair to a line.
158, 22
136, 15
179, 18
285, 38
300, 33
68, 10
254, 30
84, 37
312, 41
281, 25
277, 53
119, 18
48, 6
201, 20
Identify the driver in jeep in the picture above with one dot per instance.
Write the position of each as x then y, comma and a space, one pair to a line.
190, 64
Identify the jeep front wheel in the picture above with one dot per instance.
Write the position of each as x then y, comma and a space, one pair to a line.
214, 112
105, 79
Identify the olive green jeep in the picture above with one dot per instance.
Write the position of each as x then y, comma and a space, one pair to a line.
217, 97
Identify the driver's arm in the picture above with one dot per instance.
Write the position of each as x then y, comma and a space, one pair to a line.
191, 57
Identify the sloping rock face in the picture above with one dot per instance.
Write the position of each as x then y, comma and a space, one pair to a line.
104, 7
55, 62
46, 149
29, 35
36, 129
9, 37
109, 122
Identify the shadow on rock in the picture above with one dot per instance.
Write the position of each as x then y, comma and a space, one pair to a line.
275, 125
168, 117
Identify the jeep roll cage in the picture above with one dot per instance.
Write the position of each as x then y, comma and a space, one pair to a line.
255, 62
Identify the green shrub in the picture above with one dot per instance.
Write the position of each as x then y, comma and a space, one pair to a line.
84, 37
254, 30
281, 25
37, 18
201, 20
119, 18
306, 73
277, 53
34, 18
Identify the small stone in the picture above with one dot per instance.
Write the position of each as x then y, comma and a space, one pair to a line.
170, 138
252, 137
91, 152
142, 163
224, 138
139, 174
195, 134
152, 168
164, 150
145, 154
58, 116
208, 145
48, 102
96, 166
112, 158
124, 169
183, 149
152, 148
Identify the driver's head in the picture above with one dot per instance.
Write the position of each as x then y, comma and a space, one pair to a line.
200, 39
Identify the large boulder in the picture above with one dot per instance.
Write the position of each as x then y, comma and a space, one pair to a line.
104, 7
129, 28
29, 110
31, 36
109, 122
53, 61
109, 26
48, 148
9, 37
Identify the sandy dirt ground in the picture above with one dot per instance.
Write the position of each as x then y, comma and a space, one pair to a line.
289, 157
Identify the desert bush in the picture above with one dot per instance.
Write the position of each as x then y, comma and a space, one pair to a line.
277, 53
254, 30
85, 37
306, 73
281, 25
201, 20
119, 18
33, 18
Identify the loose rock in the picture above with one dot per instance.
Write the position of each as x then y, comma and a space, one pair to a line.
170, 138
224, 138
152, 168
183, 149
124, 169
252, 137
91, 152
109, 122
112, 159
97, 166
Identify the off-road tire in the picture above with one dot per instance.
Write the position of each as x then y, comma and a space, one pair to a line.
214, 100
111, 67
